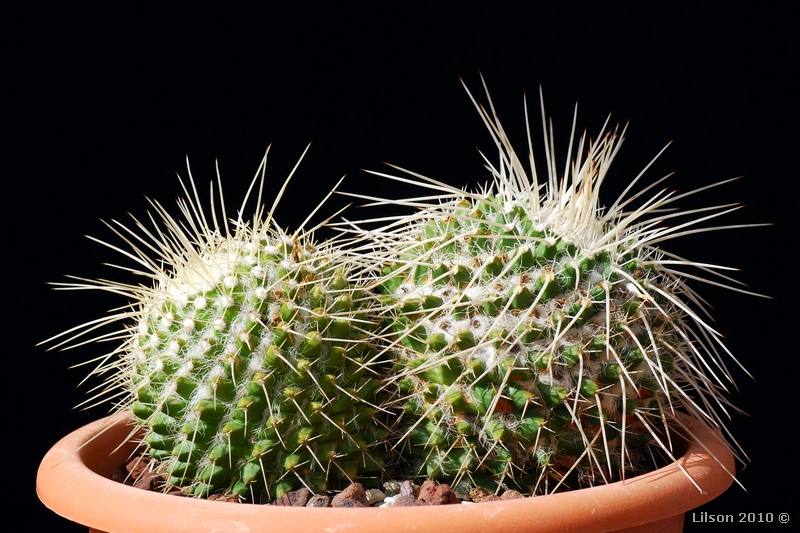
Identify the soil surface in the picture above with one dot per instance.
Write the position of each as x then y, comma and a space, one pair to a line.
138, 473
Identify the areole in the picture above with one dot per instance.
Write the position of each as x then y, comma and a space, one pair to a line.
73, 481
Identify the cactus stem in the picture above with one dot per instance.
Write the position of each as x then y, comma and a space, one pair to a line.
544, 299
227, 359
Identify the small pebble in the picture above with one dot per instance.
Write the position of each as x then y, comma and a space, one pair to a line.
392, 487
320, 500
388, 501
346, 503
353, 492
137, 466
232, 498
375, 496
407, 501
478, 494
295, 498
149, 480
433, 494
407, 489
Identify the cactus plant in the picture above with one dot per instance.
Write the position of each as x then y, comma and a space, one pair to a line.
246, 360
540, 341
523, 335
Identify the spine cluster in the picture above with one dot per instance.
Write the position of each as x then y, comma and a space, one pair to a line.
520, 335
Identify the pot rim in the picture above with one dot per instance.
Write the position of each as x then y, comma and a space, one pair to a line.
76, 469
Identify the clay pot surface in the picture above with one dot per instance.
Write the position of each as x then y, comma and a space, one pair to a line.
73, 481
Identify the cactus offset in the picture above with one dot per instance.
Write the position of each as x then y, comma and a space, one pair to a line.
540, 341
248, 365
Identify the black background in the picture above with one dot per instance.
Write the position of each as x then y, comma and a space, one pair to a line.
106, 103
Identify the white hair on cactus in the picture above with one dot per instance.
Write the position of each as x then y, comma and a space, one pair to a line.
521, 253
235, 349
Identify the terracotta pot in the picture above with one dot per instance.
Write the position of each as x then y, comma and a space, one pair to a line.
73, 482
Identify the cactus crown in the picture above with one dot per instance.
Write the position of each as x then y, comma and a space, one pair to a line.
539, 340
248, 364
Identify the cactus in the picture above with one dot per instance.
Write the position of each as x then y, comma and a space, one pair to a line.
247, 361
540, 341
522, 334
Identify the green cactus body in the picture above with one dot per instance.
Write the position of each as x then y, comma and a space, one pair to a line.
519, 349
250, 366
253, 373
538, 341
521, 335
